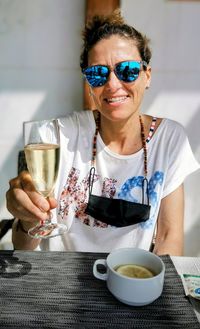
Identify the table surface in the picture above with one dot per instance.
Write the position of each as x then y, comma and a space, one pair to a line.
58, 290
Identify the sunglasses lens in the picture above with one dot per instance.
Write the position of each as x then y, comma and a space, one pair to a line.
96, 75
128, 71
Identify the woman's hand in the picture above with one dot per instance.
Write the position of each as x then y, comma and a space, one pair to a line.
24, 202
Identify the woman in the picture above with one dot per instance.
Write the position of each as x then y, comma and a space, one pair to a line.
113, 154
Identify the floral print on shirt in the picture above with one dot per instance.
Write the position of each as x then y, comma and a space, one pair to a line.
75, 195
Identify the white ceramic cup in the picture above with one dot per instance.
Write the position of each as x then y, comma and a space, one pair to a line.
132, 291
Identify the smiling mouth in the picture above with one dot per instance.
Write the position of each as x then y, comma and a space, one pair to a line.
116, 99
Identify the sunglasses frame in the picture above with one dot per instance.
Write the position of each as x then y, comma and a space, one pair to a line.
113, 69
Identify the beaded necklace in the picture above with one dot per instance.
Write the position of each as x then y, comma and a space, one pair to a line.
144, 146
151, 130
94, 149
118, 212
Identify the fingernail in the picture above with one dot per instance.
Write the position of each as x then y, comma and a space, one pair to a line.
43, 206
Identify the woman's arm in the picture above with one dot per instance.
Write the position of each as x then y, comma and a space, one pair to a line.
24, 202
20, 238
170, 226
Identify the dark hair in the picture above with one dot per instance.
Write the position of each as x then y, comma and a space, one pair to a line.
102, 27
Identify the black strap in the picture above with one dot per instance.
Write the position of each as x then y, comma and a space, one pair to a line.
91, 179
145, 181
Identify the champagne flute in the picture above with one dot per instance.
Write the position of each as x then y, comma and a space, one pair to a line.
42, 152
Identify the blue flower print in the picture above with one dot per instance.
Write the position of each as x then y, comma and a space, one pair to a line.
156, 179
127, 189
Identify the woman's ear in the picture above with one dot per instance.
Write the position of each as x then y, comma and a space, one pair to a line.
148, 76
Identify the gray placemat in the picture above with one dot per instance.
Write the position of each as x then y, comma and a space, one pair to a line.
58, 290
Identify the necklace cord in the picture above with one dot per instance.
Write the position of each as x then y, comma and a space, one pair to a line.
94, 151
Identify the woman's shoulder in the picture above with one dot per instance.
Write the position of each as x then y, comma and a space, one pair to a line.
167, 123
77, 120
163, 127
172, 127
160, 120
77, 116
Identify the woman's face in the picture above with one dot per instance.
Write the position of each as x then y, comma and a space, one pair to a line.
117, 100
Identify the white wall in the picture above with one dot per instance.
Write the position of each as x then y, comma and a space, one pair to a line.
39, 70
173, 27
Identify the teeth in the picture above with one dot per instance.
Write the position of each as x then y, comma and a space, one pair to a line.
116, 99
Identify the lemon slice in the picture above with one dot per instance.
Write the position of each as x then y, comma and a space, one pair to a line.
134, 271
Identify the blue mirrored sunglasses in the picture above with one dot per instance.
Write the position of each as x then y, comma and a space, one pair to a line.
128, 71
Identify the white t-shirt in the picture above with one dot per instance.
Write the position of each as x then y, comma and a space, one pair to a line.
170, 160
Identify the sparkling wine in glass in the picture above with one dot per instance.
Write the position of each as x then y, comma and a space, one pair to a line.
42, 152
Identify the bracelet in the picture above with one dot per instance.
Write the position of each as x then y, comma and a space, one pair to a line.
19, 226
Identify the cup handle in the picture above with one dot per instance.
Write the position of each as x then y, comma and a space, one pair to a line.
97, 274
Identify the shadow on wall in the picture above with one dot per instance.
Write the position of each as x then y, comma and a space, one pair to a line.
50, 107
192, 245
192, 127
189, 115
9, 167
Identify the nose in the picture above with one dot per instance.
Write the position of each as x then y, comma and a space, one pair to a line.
113, 82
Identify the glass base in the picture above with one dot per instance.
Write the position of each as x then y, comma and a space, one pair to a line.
48, 230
